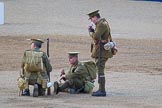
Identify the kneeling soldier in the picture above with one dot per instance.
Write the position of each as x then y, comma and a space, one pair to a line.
35, 66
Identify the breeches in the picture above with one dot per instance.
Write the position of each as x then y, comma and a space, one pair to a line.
102, 65
75, 83
39, 77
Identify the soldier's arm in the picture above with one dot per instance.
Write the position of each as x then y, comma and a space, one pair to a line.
47, 63
78, 73
91, 34
99, 31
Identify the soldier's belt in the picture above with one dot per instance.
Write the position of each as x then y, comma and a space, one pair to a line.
102, 41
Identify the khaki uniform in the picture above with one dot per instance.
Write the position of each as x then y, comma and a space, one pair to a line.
77, 79
37, 77
77, 75
101, 35
102, 32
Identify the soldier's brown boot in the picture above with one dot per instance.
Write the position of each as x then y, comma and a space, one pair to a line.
57, 89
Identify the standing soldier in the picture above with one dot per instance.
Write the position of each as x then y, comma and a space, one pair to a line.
35, 66
100, 36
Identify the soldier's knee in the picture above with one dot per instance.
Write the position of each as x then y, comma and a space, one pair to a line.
70, 82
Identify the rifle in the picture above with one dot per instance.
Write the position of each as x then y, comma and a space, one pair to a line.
99, 59
48, 73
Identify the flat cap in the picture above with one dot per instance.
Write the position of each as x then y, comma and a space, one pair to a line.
92, 14
71, 54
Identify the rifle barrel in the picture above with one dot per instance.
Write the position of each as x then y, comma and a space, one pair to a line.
48, 73
99, 60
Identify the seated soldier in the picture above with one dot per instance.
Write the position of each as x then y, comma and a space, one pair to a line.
75, 78
35, 66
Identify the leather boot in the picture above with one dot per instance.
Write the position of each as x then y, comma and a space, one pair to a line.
101, 91
102, 88
41, 90
57, 89
26, 92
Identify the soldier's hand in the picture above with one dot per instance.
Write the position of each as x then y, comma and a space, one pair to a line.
62, 72
90, 29
62, 78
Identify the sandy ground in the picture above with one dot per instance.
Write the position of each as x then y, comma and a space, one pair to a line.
133, 76
125, 90
127, 18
